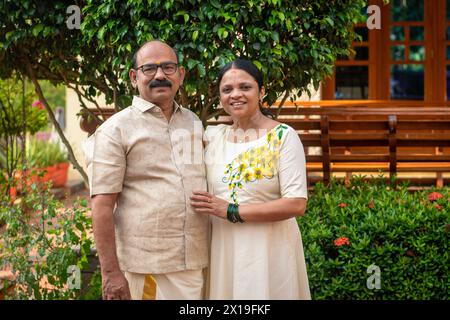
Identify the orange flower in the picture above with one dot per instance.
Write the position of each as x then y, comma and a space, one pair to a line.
371, 204
342, 205
434, 196
342, 241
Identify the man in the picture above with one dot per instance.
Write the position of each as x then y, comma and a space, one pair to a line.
150, 243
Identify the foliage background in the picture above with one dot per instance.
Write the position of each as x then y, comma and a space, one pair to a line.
405, 234
293, 42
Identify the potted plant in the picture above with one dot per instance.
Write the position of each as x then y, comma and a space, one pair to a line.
50, 162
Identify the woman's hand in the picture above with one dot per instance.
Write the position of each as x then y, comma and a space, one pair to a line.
203, 202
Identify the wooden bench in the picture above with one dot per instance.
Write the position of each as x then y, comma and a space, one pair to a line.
406, 142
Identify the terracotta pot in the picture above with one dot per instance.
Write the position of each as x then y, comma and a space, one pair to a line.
48, 176
63, 165
88, 124
59, 176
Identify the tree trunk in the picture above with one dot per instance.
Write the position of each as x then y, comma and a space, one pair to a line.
72, 158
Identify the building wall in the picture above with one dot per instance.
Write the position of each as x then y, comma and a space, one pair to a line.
74, 134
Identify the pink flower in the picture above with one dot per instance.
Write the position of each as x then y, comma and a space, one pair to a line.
434, 196
342, 241
38, 104
342, 205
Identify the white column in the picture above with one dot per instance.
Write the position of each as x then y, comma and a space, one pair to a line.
74, 134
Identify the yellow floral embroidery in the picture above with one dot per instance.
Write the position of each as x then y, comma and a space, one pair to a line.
248, 176
256, 163
258, 173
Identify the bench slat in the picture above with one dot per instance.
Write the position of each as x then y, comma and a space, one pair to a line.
359, 157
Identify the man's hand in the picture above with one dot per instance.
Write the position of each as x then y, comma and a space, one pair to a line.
115, 286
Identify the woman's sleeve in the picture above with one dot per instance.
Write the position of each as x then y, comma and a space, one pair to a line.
292, 167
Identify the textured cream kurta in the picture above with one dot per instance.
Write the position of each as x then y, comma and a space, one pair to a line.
256, 260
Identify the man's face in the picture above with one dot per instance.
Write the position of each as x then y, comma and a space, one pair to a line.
159, 88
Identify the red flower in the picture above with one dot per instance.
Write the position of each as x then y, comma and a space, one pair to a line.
342, 205
438, 206
342, 241
434, 196
38, 104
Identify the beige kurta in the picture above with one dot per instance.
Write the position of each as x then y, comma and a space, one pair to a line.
256, 260
154, 165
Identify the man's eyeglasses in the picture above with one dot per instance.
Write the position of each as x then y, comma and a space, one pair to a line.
150, 69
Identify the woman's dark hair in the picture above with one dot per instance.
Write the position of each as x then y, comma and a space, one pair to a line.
252, 70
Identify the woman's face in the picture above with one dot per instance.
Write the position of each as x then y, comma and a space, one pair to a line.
239, 93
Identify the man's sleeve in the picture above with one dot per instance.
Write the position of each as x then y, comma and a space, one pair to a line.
108, 164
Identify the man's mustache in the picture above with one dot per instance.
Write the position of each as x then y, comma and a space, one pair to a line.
160, 83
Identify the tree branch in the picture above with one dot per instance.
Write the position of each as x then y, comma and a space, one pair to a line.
280, 106
72, 158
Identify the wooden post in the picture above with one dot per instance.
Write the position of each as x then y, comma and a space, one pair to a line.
392, 146
325, 142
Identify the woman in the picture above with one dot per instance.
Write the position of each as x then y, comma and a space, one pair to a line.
257, 186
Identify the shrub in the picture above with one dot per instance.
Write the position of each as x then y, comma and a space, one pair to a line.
44, 242
407, 235
41, 154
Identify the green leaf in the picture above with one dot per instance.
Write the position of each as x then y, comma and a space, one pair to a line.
191, 63
275, 36
194, 35
216, 4
258, 64
223, 33
256, 46
37, 29
201, 70
330, 21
